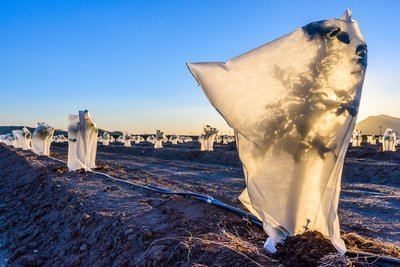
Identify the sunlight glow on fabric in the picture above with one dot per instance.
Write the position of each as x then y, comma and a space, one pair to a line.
293, 104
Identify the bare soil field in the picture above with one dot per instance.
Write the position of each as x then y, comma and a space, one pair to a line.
52, 217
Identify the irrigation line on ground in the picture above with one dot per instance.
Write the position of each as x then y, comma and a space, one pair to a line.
380, 261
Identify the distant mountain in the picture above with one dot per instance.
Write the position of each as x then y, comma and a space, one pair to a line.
378, 124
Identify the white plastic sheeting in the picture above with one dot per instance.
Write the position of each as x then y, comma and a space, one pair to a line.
293, 105
23, 139
138, 139
106, 139
159, 139
127, 140
42, 138
60, 138
356, 138
389, 140
8, 139
207, 138
187, 139
151, 139
173, 139
82, 141
371, 139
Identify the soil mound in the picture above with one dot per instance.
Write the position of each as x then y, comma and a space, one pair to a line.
304, 250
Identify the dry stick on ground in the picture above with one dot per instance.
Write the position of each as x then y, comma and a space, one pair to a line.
225, 239
203, 241
334, 260
337, 260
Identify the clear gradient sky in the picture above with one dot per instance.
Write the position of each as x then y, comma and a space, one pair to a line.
124, 61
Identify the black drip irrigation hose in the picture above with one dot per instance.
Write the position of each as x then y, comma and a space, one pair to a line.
247, 216
380, 261
376, 260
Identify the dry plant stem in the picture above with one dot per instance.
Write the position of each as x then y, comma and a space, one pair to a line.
227, 240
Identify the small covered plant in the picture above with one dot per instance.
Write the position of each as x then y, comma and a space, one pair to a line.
42, 138
82, 141
106, 137
389, 140
159, 139
23, 139
206, 139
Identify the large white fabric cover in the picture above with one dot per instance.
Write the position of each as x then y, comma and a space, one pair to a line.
23, 139
389, 140
82, 141
42, 138
293, 104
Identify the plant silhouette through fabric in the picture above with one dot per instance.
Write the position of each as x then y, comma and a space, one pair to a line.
293, 104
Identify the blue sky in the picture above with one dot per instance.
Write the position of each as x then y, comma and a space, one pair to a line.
124, 61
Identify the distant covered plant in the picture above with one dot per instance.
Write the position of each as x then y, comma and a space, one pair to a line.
42, 138
82, 141
206, 139
159, 139
23, 139
389, 140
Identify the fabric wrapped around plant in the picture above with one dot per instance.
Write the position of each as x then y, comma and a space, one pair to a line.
159, 139
42, 138
127, 140
356, 138
207, 138
82, 141
23, 139
106, 139
293, 104
389, 140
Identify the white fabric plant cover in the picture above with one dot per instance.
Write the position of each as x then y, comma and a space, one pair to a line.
10, 140
207, 138
173, 139
389, 140
356, 138
127, 140
22, 139
188, 139
106, 139
159, 139
138, 139
218, 139
151, 139
42, 138
371, 139
82, 141
293, 105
